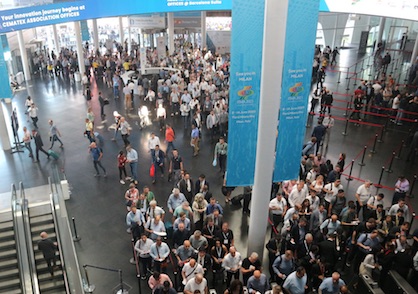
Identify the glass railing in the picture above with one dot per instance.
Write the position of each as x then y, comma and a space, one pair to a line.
70, 265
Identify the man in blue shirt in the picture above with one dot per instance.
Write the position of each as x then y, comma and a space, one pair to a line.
175, 200
132, 159
296, 281
195, 140
97, 155
159, 252
258, 283
331, 285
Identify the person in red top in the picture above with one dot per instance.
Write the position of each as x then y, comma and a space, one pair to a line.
169, 138
358, 91
121, 166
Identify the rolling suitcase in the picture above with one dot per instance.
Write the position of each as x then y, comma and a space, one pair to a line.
53, 154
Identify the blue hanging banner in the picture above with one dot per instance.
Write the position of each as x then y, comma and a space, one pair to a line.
85, 34
296, 81
245, 78
5, 90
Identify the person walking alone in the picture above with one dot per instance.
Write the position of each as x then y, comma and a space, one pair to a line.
54, 134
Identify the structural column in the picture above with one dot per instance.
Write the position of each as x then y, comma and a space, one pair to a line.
80, 52
203, 30
122, 37
4, 134
95, 35
170, 30
334, 36
381, 29
273, 56
24, 56
415, 51
56, 39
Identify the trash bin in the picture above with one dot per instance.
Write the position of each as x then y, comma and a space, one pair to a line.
77, 76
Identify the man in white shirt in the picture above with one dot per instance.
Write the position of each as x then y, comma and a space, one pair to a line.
152, 142
197, 285
402, 206
186, 97
278, 207
190, 270
331, 191
212, 123
363, 195
232, 263
298, 194
143, 248
175, 102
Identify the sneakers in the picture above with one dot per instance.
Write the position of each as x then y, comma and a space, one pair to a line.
122, 182
128, 178
97, 175
105, 175
143, 277
128, 230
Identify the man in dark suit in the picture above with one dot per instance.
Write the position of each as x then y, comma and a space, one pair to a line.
186, 187
297, 234
38, 144
48, 249
158, 161
200, 184
206, 193
379, 214
204, 259
317, 218
328, 253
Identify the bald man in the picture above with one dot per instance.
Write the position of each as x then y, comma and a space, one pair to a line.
48, 248
331, 285
196, 285
257, 283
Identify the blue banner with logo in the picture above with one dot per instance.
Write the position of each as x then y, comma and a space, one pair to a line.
5, 89
296, 81
245, 78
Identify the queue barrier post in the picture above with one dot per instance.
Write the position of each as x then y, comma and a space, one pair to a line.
381, 175
362, 158
398, 156
374, 144
349, 178
411, 191
345, 128
389, 170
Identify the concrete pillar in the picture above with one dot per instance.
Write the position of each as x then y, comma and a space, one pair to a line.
381, 30
24, 56
80, 52
170, 31
271, 75
95, 35
122, 38
414, 51
334, 36
56, 39
129, 39
203, 30
4, 134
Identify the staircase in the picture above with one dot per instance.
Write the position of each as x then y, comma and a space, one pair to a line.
9, 269
41, 219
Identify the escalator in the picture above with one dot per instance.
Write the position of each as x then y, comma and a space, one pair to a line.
41, 219
9, 266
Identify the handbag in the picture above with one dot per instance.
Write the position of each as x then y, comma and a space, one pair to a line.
152, 171
106, 101
214, 162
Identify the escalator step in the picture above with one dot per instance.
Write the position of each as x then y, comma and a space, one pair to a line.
6, 245
7, 264
7, 235
6, 226
9, 273
8, 254
9, 284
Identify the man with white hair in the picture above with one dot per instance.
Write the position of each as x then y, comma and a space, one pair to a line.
153, 210
175, 200
249, 265
198, 241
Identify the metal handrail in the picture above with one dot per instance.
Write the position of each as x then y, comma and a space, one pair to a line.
28, 239
54, 217
72, 267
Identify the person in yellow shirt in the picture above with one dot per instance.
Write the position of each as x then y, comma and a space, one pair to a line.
126, 65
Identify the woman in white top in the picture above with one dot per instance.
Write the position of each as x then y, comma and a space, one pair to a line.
199, 208
368, 265
318, 184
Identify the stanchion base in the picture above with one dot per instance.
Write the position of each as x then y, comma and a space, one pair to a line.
344, 133
380, 141
349, 179
361, 164
389, 171
89, 288
76, 238
373, 151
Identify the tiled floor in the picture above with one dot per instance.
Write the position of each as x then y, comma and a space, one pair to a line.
98, 204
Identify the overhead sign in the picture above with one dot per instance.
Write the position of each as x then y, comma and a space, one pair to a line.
152, 21
35, 16
187, 22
